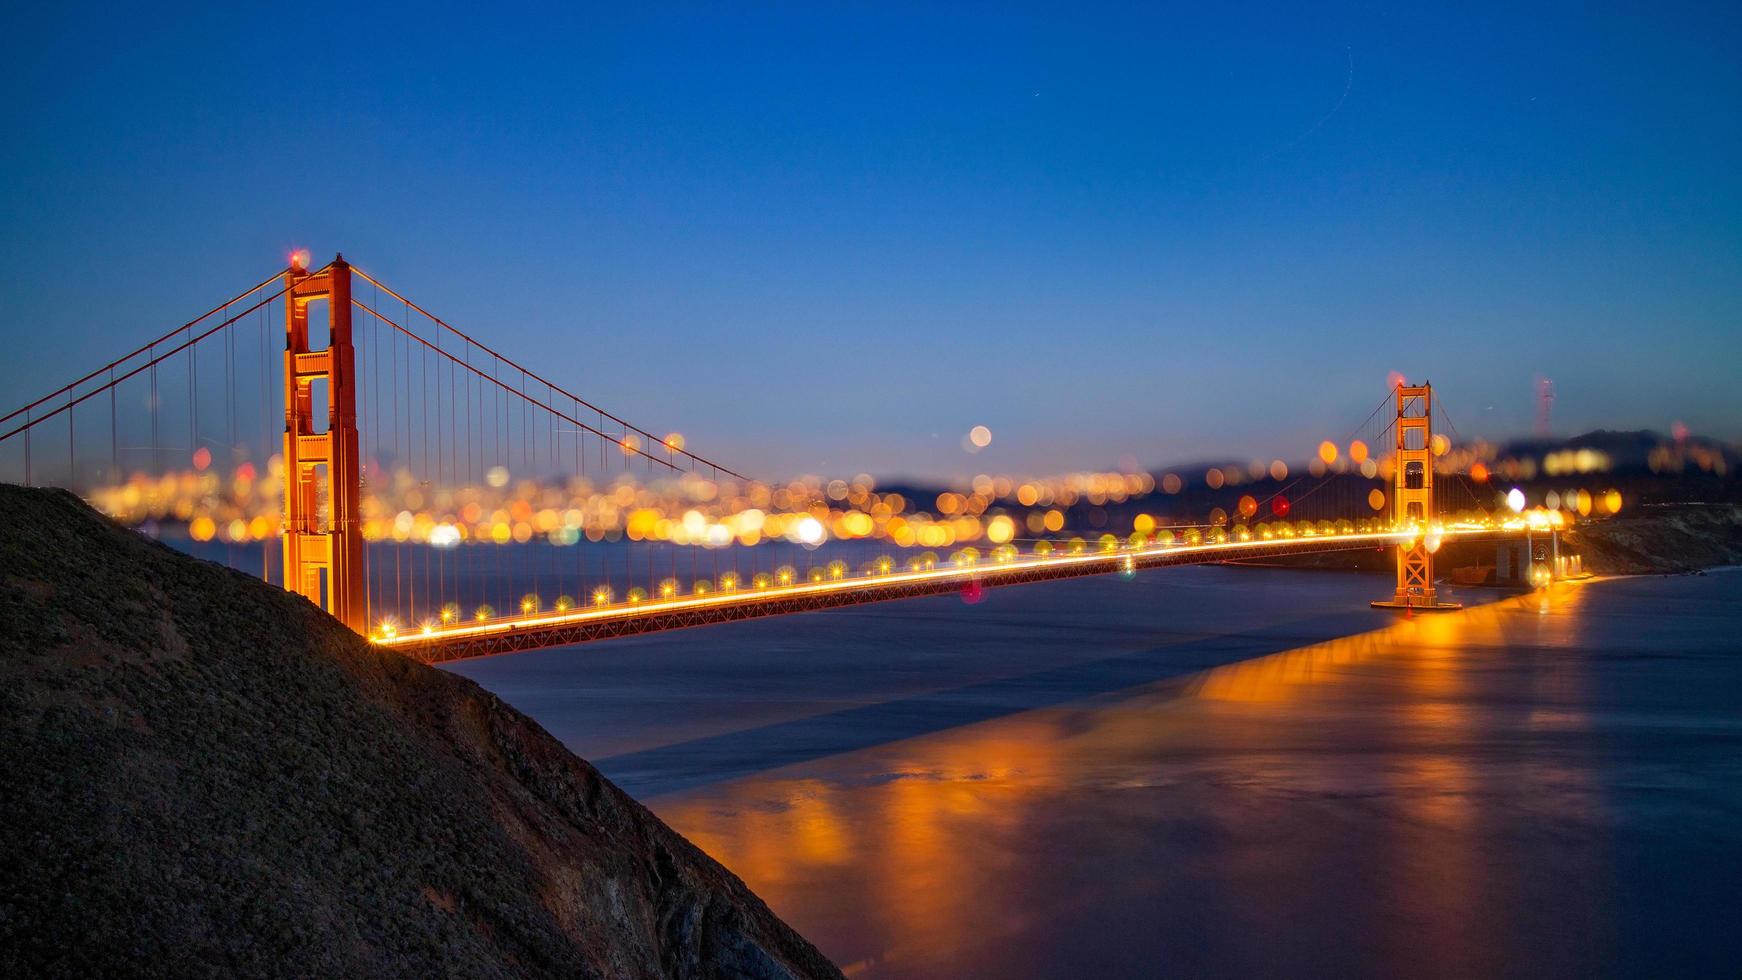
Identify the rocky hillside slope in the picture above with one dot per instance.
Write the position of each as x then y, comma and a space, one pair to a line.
201, 775
1661, 539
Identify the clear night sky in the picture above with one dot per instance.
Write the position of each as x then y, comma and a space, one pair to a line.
834, 242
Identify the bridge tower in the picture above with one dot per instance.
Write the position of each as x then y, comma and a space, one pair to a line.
1412, 501
323, 553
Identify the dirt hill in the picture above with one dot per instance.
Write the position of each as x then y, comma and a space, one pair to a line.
202, 775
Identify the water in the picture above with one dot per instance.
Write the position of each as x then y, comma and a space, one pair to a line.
1204, 771
671, 711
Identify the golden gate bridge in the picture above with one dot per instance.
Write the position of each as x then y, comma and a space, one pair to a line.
384, 402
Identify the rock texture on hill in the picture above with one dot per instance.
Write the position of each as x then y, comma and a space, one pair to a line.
1662, 539
201, 775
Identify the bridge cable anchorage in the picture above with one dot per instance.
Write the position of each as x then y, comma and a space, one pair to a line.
627, 426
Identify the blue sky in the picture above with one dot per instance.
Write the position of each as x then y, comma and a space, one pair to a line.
833, 240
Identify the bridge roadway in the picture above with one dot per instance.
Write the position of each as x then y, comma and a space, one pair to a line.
539, 630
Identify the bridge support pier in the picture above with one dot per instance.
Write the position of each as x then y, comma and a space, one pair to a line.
1534, 562
323, 552
1412, 503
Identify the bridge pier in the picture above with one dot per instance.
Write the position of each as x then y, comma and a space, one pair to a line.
1536, 560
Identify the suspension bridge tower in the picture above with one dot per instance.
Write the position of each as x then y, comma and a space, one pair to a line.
323, 553
1412, 502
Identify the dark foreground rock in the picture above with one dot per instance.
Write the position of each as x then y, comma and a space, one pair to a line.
201, 775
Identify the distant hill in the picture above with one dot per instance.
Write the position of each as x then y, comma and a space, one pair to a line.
1626, 448
1608, 440
202, 775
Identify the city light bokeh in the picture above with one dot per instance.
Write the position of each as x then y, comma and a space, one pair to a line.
244, 503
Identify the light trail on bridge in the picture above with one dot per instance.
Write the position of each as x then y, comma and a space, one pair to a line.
435, 643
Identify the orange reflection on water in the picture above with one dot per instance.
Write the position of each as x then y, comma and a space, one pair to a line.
1278, 677
930, 853
1434, 645
768, 841
896, 842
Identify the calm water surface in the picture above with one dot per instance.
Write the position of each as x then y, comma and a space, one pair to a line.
1202, 771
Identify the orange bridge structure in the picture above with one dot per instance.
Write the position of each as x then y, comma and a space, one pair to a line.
410, 457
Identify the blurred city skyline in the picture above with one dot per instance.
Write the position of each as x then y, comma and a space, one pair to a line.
833, 242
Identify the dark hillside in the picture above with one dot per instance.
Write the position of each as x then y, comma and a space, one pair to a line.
203, 775
1662, 539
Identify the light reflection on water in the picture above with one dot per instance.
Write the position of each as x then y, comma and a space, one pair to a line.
1445, 796
1110, 777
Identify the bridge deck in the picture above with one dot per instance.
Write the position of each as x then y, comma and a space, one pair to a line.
532, 632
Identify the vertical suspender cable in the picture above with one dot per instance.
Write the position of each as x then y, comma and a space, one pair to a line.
193, 394
114, 438
156, 456
398, 464
266, 424
380, 473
